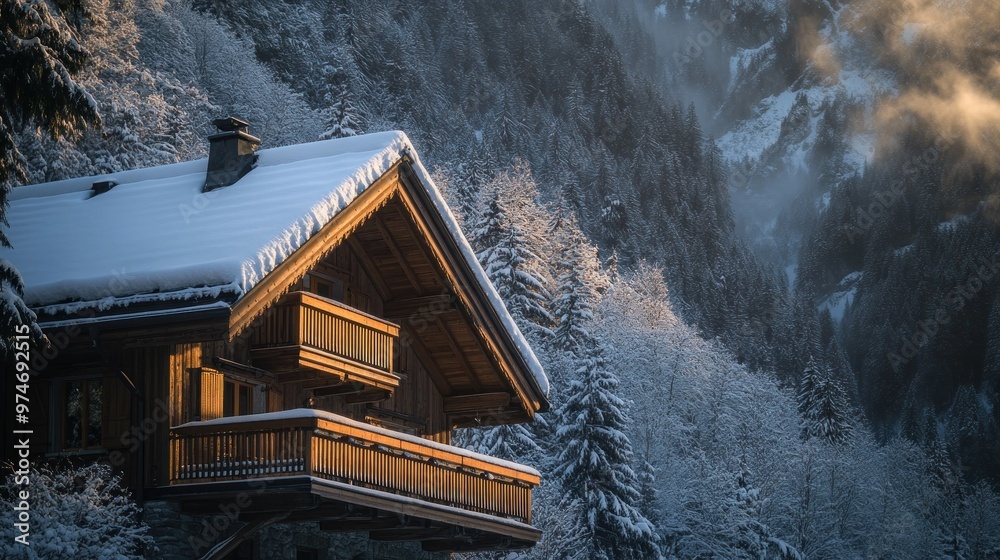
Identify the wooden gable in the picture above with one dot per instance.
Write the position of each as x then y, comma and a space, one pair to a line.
401, 264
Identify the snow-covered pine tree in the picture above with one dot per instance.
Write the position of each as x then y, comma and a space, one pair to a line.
823, 404
504, 254
595, 463
491, 226
39, 54
647, 490
571, 308
614, 221
15, 316
945, 511
343, 121
471, 177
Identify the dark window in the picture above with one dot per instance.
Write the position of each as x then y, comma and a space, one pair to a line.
81, 404
328, 288
306, 554
247, 550
237, 398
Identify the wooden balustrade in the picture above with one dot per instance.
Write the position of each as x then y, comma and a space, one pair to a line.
338, 449
307, 332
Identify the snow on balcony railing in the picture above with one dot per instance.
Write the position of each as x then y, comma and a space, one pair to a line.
328, 446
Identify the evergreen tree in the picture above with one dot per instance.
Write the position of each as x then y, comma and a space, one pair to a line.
473, 175
572, 308
39, 54
823, 405
752, 538
614, 221
504, 256
15, 316
595, 463
343, 118
513, 442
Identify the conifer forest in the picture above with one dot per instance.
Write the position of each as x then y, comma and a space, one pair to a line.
753, 243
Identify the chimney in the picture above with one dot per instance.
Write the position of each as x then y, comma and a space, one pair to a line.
231, 153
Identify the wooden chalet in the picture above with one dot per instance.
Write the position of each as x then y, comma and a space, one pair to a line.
283, 336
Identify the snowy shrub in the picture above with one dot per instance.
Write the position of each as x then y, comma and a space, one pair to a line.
79, 513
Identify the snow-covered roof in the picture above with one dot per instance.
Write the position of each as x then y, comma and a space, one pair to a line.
156, 237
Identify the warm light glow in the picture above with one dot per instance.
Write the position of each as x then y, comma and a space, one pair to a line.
945, 54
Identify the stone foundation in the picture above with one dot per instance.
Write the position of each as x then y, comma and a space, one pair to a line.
181, 537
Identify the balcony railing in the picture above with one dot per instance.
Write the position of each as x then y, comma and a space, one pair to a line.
314, 443
309, 333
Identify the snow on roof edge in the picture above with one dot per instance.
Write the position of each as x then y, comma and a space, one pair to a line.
470, 256
126, 316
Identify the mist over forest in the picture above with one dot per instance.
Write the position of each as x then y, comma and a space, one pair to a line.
761, 236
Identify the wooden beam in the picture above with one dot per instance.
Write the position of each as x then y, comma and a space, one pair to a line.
430, 364
411, 534
477, 385
399, 310
370, 396
391, 244
480, 402
370, 267
339, 389
357, 524
422, 244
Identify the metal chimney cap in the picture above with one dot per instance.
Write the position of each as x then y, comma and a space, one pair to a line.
231, 124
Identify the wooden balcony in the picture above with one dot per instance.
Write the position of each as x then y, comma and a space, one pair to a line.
309, 337
440, 490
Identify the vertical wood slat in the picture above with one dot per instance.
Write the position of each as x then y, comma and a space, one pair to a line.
267, 451
298, 322
212, 390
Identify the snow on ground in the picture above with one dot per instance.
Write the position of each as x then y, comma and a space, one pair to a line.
754, 135
739, 62
859, 82
838, 302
